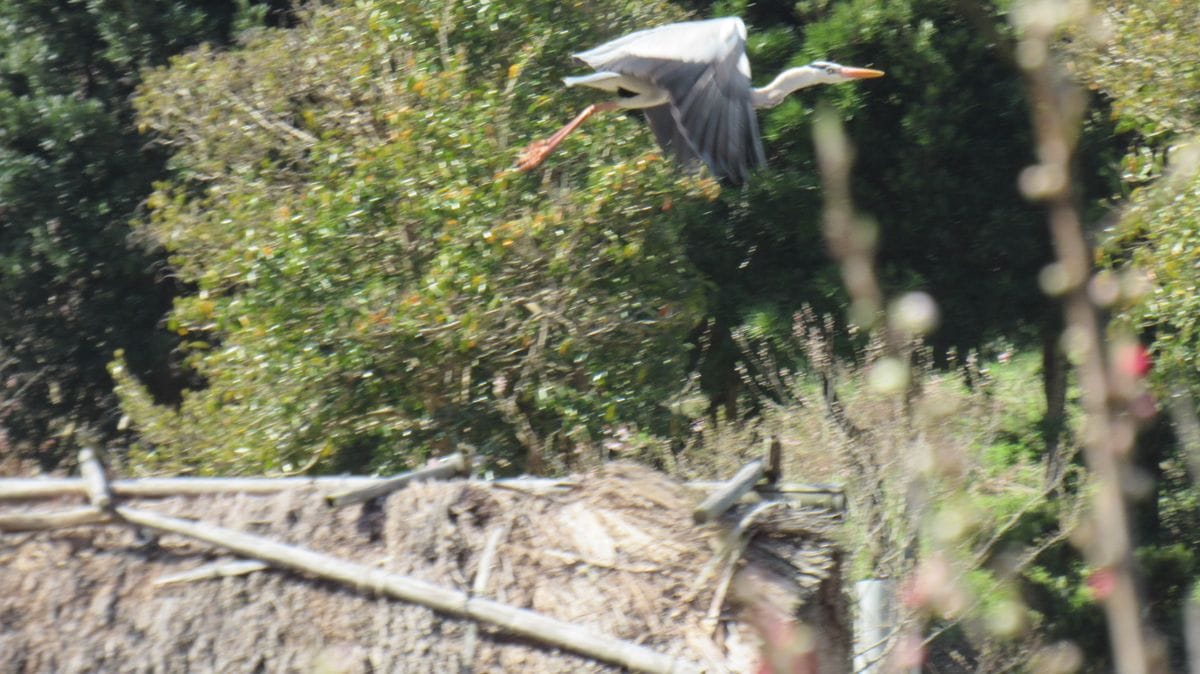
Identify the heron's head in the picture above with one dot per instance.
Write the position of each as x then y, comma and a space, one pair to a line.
817, 72
832, 73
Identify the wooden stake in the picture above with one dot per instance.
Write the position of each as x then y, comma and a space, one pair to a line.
722, 499
774, 471
95, 482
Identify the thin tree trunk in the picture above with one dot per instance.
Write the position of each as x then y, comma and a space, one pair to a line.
1054, 385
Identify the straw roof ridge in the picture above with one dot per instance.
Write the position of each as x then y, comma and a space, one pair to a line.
619, 553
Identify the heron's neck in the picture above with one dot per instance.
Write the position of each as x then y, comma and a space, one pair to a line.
788, 81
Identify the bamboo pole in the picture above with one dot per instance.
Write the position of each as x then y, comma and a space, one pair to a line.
27, 489
518, 621
455, 464
16, 489
829, 496
18, 522
723, 498
817, 496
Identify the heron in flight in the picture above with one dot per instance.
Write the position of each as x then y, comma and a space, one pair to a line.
692, 79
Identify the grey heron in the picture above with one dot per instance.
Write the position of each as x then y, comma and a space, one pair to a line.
692, 80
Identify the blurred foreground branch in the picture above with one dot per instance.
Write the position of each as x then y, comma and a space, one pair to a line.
881, 499
1057, 107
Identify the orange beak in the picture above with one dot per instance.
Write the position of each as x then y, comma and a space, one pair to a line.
861, 73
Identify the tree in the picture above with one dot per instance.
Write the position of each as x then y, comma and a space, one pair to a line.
73, 170
1147, 70
374, 284
941, 140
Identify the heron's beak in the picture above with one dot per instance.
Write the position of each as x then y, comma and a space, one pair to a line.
861, 73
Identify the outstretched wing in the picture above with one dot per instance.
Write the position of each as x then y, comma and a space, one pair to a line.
702, 66
670, 136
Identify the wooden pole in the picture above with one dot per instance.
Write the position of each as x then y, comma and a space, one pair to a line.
774, 472
1191, 632
829, 496
722, 499
18, 522
455, 464
95, 482
25, 489
19, 489
518, 621
818, 496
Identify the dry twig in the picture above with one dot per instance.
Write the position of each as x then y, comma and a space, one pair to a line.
223, 569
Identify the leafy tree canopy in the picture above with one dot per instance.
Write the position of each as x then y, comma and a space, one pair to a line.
1143, 55
374, 283
72, 172
940, 142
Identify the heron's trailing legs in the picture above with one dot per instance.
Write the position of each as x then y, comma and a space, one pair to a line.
536, 152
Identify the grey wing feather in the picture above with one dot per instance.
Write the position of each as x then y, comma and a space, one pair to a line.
703, 68
670, 137
695, 41
718, 117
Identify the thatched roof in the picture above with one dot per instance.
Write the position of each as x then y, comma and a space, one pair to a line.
619, 554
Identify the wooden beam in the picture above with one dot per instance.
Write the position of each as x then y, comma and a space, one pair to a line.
724, 497
35, 488
830, 496
831, 500
24, 489
455, 464
17, 489
18, 522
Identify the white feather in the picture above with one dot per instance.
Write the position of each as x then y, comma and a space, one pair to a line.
693, 42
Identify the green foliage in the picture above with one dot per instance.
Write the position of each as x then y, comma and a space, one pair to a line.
1146, 62
72, 172
940, 142
369, 283
946, 491
1020, 408
956, 227
1142, 54
373, 281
